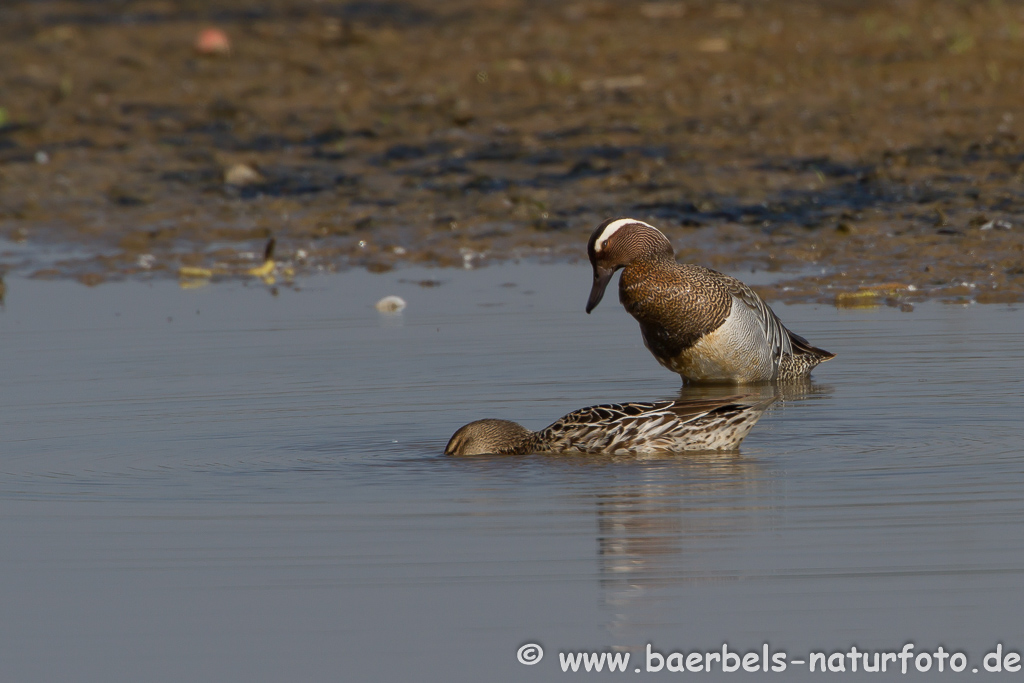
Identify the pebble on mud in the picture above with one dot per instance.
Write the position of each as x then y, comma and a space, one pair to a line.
242, 174
213, 41
391, 304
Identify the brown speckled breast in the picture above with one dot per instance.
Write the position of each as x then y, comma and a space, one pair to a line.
675, 304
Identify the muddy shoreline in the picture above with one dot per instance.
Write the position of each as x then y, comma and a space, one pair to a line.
872, 149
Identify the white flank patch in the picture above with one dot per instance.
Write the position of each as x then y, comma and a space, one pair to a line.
612, 228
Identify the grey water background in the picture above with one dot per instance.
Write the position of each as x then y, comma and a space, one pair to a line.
225, 485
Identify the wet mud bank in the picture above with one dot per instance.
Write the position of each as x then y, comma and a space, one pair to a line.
872, 149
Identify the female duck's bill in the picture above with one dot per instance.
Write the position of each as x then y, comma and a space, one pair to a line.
620, 429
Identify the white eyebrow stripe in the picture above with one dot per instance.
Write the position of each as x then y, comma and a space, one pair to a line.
612, 228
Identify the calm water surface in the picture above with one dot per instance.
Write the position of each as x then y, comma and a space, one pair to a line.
225, 485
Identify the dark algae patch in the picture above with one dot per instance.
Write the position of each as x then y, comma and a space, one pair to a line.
871, 148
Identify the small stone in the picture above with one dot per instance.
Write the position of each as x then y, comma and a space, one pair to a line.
391, 304
213, 41
242, 174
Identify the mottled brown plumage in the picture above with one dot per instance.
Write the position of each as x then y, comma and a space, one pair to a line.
620, 428
501, 437
697, 322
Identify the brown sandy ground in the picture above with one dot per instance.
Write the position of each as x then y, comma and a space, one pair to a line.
871, 148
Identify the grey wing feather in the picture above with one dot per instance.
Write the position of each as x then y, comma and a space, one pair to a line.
778, 336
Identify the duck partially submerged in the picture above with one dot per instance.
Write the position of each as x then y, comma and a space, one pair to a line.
620, 429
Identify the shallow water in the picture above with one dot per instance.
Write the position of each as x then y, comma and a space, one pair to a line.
222, 484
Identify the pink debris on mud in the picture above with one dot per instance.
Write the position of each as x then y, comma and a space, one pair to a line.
213, 41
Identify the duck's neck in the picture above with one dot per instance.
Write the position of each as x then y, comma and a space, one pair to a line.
649, 243
526, 443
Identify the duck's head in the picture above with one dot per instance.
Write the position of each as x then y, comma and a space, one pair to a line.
615, 244
490, 436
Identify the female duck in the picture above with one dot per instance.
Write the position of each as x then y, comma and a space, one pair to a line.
620, 429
